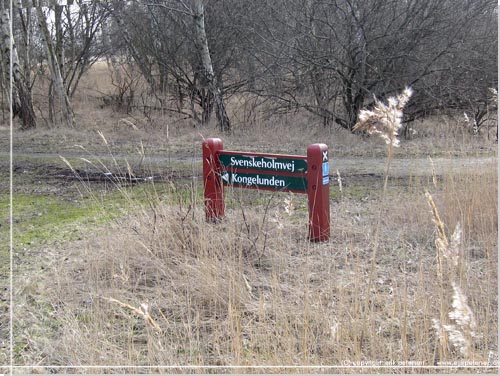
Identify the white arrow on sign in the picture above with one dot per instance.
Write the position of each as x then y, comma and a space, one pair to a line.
225, 177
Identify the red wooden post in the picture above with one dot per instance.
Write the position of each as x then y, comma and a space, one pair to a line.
318, 187
214, 191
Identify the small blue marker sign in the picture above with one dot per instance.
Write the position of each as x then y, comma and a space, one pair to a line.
326, 169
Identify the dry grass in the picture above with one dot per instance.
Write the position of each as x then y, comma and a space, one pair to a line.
164, 287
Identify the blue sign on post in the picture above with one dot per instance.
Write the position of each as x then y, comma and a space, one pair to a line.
326, 170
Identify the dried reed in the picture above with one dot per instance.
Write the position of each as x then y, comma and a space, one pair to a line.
461, 333
385, 120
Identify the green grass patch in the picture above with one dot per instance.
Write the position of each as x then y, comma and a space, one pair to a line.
40, 220
48, 219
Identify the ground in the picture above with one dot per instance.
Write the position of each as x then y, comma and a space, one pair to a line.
124, 272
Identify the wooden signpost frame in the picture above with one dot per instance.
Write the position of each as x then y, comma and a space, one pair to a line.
313, 172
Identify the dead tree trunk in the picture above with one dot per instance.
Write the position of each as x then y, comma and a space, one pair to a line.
55, 69
22, 105
206, 61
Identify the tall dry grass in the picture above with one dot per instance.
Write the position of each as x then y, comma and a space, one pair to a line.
160, 286
163, 287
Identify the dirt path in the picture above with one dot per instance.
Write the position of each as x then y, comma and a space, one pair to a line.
409, 167
346, 166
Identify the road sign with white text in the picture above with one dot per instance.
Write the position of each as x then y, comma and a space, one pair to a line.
276, 163
275, 172
264, 181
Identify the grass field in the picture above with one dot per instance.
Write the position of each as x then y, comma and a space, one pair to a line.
115, 275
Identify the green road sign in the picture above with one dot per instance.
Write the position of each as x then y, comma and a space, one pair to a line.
286, 183
266, 163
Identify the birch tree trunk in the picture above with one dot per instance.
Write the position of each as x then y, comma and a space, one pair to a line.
59, 47
26, 20
22, 105
54, 67
206, 61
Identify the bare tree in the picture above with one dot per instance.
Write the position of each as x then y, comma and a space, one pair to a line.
22, 105
327, 57
54, 67
208, 71
330, 57
81, 27
68, 43
169, 40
